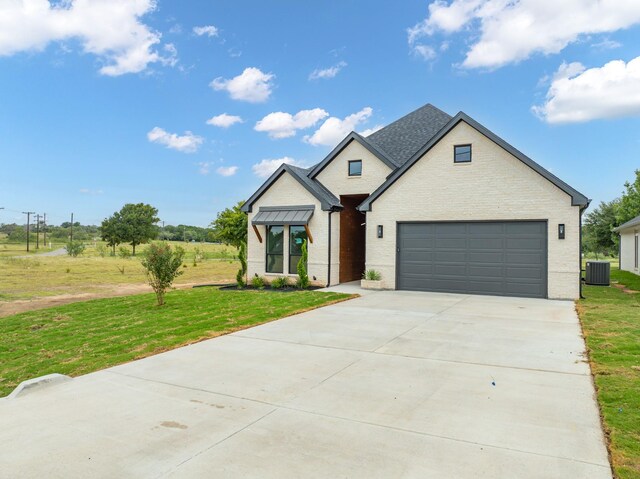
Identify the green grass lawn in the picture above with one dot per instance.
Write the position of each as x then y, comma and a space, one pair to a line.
83, 337
611, 324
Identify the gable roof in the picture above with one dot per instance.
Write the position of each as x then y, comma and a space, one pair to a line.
577, 198
401, 139
353, 136
634, 222
327, 200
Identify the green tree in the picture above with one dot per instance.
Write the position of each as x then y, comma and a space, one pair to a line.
75, 248
629, 206
138, 224
111, 231
598, 235
230, 226
162, 265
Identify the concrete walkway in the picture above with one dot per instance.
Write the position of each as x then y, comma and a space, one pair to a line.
389, 385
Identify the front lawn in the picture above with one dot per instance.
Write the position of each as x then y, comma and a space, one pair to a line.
611, 324
83, 337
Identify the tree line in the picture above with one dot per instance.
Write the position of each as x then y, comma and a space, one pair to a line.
598, 236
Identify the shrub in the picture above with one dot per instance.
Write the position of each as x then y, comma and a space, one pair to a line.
303, 277
162, 265
258, 282
101, 250
242, 256
280, 282
372, 275
123, 252
75, 248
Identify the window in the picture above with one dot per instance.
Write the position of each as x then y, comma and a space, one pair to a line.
355, 168
275, 249
462, 154
297, 236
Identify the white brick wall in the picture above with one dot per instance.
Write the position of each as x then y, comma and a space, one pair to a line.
627, 253
494, 186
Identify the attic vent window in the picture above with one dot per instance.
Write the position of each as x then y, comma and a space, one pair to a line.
355, 168
462, 154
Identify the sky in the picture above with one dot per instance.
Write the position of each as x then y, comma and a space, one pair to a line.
189, 105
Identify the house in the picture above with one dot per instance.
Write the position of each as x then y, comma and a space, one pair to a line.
433, 203
629, 247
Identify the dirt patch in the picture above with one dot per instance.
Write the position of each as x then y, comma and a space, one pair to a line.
624, 289
7, 308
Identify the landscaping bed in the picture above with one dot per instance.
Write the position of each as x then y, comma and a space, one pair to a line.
610, 318
79, 338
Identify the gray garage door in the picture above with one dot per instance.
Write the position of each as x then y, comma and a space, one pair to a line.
501, 258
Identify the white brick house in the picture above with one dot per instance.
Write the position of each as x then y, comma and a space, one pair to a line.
432, 202
630, 245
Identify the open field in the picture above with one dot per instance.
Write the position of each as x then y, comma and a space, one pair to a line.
40, 276
611, 323
82, 337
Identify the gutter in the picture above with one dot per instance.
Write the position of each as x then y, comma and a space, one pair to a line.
580, 264
331, 211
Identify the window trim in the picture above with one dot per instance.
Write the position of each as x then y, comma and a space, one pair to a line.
295, 267
349, 168
266, 248
455, 155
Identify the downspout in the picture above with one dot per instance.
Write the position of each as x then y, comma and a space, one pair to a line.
329, 252
580, 269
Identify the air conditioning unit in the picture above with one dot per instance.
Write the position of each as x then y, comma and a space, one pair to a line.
598, 273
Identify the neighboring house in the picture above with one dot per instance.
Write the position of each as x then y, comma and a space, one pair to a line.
432, 202
629, 247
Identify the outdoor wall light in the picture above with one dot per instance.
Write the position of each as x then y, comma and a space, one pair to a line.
380, 231
561, 231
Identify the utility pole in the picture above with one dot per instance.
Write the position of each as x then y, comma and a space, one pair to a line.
44, 229
71, 238
38, 231
28, 213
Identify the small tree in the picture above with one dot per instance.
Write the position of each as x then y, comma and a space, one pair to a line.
242, 256
75, 248
230, 226
162, 265
303, 277
138, 223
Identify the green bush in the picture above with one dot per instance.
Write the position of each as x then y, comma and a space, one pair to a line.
303, 277
258, 282
101, 250
280, 282
372, 275
242, 272
75, 248
162, 265
124, 252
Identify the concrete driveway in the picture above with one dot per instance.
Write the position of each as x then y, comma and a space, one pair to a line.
389, 385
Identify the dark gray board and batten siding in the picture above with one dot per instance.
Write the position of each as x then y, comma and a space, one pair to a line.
504, 258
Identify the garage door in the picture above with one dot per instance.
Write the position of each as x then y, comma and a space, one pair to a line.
499, 258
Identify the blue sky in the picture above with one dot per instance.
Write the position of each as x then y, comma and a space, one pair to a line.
101, 106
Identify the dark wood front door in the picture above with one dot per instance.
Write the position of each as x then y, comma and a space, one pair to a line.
352, 238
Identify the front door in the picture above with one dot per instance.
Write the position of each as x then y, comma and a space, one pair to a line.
352, 238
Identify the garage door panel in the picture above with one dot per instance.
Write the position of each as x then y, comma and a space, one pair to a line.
497, 258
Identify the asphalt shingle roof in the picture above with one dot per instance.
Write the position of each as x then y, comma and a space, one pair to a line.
401, 139
634, 222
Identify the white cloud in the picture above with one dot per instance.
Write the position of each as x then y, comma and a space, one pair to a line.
606, 44
251, 85
187, 143
208, 30
112, 30
333, 130
371, 131
513, 30
224, 120
424, 51
265, 168
577, 94
204, 167
284, 125
227, 170
327, 72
